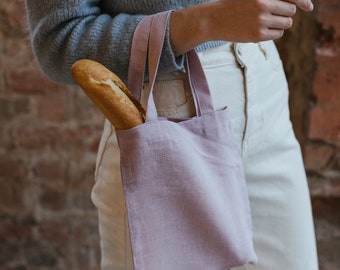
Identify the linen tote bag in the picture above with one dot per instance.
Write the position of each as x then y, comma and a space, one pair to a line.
183, 181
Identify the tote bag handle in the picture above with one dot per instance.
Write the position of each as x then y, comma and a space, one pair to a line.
147, 44
138, 55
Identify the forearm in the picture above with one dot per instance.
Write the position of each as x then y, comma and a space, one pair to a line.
188, 28
232, 20
63, 32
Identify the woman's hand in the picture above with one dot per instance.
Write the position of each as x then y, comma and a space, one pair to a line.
233, 20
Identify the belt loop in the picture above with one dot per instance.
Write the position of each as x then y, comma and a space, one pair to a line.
238, 54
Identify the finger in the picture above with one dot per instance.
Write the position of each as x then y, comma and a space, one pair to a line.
277, 22
305, 5
271, 34
282, 8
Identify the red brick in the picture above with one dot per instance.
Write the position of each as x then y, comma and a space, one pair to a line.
327, 208
12, 107
15, 48
40, 255
31, 81
328, 250
30, 139
321, 187
94, 144
329, 12
327, 220
317, 156
46, 138
15, 230
325, 116
11, 197
54, 231
82, 255
6, 110
8, 252
12, 169
21, 106
88, 138
54, 200
13, 13
50, 170
51, 107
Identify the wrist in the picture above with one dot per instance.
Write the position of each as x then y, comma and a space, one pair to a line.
189, 28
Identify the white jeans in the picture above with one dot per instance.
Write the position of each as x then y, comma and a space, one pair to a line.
249, 79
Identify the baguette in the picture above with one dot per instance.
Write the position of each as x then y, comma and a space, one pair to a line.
108, 93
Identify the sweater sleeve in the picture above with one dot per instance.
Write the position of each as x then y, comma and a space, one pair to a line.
63, 32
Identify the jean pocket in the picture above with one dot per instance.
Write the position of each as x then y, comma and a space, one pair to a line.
173, 98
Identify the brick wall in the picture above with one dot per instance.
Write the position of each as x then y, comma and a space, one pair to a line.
322, 148
311, 54
49, 134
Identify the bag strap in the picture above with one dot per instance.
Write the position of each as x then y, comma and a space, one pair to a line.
198, 83
147, 44
156, 41
137, 61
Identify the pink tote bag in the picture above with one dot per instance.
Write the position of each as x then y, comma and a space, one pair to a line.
183, 180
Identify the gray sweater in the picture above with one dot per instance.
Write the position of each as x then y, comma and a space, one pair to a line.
64, 31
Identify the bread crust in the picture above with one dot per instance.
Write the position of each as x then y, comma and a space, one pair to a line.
108, 92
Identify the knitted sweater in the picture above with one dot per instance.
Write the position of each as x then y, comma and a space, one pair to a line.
64, 31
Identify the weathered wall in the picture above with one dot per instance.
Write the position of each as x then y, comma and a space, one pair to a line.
49, 135
311, 54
